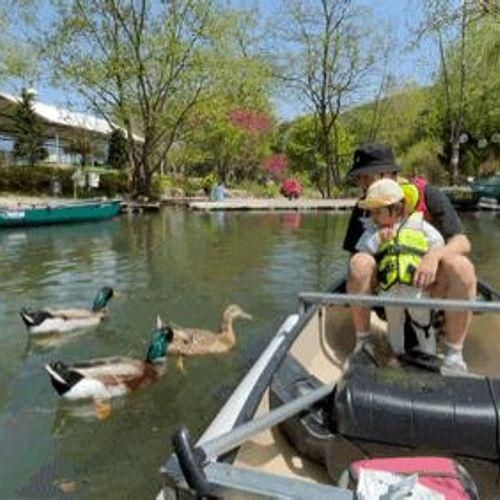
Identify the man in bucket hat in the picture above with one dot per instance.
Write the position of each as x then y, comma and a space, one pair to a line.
444, 272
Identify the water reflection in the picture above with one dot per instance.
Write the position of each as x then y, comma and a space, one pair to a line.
68, 416
43, 343
291, 220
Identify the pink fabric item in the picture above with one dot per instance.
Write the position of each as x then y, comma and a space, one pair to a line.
420, 182
450, 485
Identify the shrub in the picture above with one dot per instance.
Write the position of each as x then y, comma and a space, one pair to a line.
291, 188
208, 183
113, 183
190, 186
38, 180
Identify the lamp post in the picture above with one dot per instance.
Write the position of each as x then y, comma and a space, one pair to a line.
483, 141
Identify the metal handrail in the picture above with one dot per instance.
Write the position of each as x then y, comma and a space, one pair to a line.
384, 301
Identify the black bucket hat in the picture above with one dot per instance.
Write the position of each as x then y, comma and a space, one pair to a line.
372, 159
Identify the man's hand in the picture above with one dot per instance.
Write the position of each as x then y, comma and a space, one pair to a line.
425, 274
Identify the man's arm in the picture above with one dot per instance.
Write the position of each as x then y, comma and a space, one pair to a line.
445, 219
426, 272
458, 244
354, 231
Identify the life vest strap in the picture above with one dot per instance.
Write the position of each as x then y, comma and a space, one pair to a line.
398, 249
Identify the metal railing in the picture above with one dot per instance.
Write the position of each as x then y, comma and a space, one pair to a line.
384, 301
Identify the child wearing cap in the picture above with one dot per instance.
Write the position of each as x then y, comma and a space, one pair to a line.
398, 240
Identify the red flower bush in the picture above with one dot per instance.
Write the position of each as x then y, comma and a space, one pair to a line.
291, 188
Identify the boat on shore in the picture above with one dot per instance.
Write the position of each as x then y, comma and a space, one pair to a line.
302, 413
58, 213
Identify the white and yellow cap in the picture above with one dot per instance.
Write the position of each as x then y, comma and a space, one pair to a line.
382, 193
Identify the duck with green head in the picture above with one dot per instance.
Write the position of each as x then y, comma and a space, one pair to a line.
64, 320
105, 378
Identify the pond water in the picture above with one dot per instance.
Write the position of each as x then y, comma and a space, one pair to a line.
187, 267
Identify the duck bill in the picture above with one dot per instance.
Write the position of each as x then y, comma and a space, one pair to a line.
159, 322
246, 316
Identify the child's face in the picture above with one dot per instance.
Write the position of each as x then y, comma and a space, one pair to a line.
384, 216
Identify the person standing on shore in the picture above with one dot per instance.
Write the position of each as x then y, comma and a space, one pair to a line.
219, 192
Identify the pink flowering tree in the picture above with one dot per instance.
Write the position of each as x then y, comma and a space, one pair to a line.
249, 120
275, 165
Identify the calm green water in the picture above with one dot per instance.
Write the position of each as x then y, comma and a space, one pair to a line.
187, 267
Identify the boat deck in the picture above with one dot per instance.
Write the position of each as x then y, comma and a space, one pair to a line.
269, 451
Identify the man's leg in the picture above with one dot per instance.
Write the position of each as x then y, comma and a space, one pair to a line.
361, 280
456, 279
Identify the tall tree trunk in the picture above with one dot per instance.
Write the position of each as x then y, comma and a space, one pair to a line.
455, 154
142, 180
327, 159
336, 170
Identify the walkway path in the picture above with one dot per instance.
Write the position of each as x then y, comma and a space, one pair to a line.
273, 204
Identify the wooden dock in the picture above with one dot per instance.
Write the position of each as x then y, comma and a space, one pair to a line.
301, 204
488, 204
135, 207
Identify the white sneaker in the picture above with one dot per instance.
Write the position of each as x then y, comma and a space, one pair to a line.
453, 361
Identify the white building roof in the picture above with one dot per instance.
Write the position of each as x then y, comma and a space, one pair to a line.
66, 118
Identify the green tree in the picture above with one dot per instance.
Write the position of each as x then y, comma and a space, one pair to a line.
143, 65
299, 142
449, 24
327, 62
228, 140
464, 110
404, 121
29, 140
482, 113
140, 64
229, 130
117, 149
18, 57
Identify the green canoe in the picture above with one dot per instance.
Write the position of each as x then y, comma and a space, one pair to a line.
58, 213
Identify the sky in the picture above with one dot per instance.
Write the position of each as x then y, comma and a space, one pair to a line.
407, 63
397, 15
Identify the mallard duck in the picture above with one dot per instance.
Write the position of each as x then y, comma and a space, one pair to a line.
105, 378
65, 320
197, 342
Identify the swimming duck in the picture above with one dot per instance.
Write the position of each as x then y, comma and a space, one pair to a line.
106, 378
65, 320
197, 342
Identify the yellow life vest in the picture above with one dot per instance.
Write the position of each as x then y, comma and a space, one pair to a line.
398, 257
414, 195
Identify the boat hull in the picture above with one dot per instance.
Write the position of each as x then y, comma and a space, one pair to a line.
59, 213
